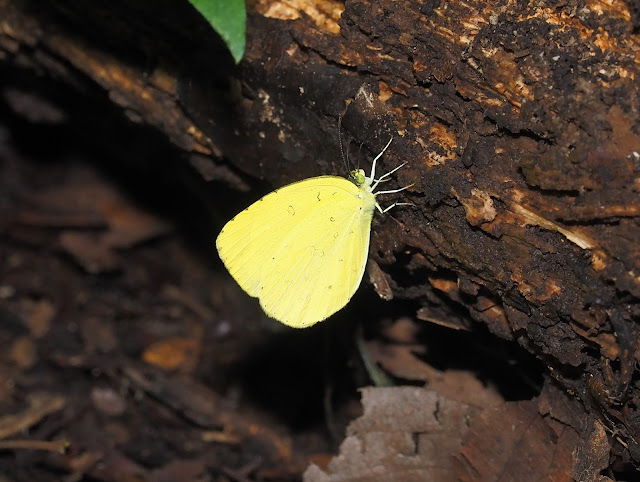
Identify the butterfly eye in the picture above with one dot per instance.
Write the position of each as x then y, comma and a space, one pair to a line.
358, 177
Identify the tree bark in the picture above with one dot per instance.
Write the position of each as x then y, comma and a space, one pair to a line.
519, 123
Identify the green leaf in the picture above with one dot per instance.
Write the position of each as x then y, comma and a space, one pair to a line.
228, 18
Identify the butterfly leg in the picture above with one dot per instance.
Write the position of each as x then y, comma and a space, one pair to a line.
394, 190
384, 177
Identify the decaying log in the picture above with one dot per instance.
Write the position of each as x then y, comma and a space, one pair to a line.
519, 121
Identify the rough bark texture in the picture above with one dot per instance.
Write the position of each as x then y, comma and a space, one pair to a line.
519, 121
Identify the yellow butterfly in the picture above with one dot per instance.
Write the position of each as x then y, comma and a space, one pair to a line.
302, 249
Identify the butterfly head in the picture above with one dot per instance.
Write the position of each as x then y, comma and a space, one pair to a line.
358, 177
370, 183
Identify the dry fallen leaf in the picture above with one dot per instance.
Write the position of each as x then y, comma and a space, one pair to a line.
514, 442
400, 360
406, 433
89, 252
175, 353
415, 434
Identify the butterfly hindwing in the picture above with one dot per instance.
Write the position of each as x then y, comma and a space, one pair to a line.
301, 249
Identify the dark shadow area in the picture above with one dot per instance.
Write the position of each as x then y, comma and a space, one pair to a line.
516, 373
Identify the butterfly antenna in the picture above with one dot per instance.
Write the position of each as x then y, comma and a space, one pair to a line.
344, 159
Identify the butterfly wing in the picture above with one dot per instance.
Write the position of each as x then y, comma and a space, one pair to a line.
301, 249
